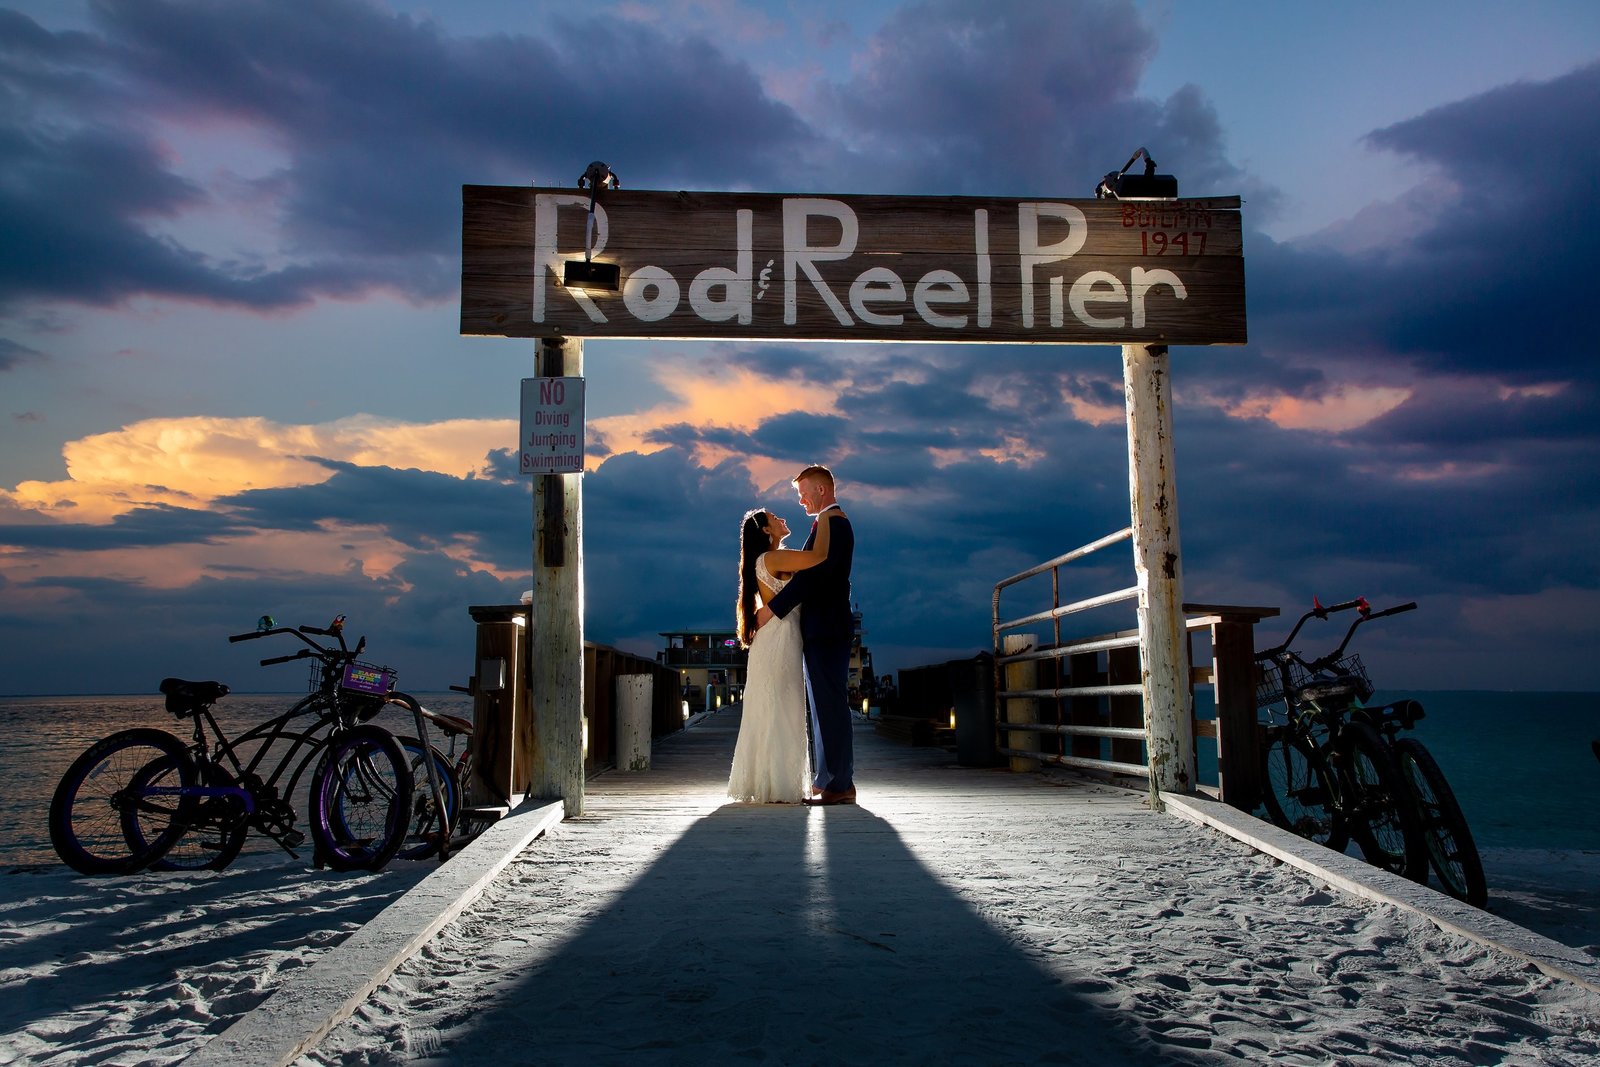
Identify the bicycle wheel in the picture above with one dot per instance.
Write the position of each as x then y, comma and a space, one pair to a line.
361, 800
1299, 789
1382, 819
213, 831
105, 786
422, 834
1451, 850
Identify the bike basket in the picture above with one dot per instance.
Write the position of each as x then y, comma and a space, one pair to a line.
1269, 688
1352, 670
368, 679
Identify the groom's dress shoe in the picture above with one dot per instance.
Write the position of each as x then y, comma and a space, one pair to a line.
829, 796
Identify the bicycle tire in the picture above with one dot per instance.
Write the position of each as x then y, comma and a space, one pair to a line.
1451, 850
1299, 790
1382, 820
213, 831
89, 809
361, 800
422, 832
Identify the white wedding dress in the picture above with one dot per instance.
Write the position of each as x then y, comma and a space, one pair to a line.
770, 760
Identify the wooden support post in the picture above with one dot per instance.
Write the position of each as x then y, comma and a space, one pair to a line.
1024, 675
1233, 675
501, 739
1158, 569
555, 645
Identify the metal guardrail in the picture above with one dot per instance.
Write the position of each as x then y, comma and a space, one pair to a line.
1056, 652
1231, 675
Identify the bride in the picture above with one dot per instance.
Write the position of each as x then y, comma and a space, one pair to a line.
770, 758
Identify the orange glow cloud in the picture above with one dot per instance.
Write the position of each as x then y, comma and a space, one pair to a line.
1344, 408
729, 397
330, 551
190, 462
1445, 471
1542, 390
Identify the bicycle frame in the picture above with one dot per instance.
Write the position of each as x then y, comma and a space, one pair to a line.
214, 749
260, 796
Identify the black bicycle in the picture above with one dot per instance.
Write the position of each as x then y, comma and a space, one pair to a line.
1452, 853
1327, 773
142, 797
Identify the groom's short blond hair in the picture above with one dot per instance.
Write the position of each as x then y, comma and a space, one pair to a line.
816, 471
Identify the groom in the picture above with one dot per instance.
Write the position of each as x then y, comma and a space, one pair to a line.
827, 627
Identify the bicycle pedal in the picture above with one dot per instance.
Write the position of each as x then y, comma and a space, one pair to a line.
292, 838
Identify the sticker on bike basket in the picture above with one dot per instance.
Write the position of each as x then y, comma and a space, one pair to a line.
364, 678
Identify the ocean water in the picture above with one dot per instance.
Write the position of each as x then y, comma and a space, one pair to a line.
1520, 763
43, 735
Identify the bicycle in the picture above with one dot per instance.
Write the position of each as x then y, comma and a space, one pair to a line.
143, 798
1452, 852
1327, 773
440, 781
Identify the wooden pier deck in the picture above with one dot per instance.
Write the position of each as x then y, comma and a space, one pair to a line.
953, 915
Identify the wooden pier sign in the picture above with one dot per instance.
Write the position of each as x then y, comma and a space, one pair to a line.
854, 268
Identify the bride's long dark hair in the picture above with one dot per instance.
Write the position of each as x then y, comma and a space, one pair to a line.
753, 540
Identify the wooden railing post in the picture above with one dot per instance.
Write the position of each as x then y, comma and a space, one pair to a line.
1022, 676
1233, 676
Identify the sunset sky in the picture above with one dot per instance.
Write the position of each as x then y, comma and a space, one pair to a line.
232, 380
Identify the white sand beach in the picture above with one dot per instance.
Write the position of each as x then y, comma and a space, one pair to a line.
953, 916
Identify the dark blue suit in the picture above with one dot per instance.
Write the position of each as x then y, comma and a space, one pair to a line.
828, 628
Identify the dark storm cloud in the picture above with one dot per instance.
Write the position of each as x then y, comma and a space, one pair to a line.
375, 495
1481, 280
1469, 420
13, 355
1306, 512
141, 528
966, 96
661, 538
1524, 158
415, 619
381, 118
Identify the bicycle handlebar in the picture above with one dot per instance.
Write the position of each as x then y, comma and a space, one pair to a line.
1318, 611
1321, 663
322, 652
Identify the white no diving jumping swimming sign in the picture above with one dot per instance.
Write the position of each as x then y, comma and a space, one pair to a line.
552, 426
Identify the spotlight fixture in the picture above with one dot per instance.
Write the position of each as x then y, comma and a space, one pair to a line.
585, 273
1120, 185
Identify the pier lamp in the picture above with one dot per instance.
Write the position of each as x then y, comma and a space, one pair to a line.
1120, 185
585, 273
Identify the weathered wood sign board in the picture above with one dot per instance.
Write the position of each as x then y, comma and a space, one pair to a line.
855, 268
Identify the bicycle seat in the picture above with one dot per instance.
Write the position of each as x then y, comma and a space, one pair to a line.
184, 698
1405, 712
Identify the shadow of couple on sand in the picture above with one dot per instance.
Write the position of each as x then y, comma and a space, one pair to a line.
767, 934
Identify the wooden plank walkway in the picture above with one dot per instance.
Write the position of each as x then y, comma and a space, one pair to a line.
954, 915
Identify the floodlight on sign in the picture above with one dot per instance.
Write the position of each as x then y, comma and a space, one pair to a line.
585, 273
1120, 185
